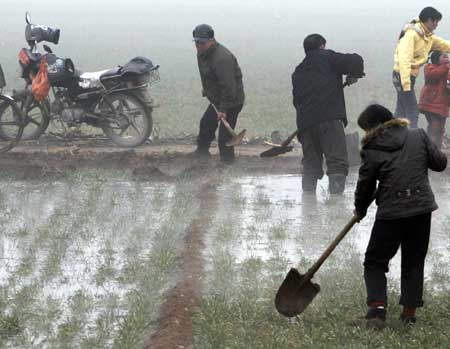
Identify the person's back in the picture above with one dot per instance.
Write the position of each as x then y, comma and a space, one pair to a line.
398, 159
318, 86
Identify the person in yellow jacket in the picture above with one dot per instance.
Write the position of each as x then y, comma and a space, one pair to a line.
416, 41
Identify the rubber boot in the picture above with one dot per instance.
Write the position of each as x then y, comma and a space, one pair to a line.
336, 183
309, 184
201, 153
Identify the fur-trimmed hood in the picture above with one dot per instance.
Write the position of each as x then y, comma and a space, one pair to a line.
389, 136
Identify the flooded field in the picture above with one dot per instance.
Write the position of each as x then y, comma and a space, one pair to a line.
87, 259
268, 226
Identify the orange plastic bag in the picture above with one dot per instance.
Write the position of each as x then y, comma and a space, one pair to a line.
40, 87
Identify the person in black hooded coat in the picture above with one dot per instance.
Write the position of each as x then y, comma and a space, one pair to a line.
398, 158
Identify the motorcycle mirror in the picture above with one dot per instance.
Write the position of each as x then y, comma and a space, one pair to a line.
28, 17
47, 49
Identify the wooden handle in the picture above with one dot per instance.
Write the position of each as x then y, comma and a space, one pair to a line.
225, 123
289, 139
310, 273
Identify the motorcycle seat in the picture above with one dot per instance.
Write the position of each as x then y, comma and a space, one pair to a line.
110, 73
91, 79
93, 75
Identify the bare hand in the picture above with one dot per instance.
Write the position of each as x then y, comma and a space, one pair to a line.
221, 116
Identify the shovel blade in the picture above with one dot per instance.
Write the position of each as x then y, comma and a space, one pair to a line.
292, 297
236, 140
275, 151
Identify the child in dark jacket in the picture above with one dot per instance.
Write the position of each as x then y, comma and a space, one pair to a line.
434, 97
398, 158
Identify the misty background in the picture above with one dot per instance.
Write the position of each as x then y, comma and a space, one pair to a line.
265, 35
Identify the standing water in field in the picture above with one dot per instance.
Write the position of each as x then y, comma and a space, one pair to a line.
85, 259
273, 219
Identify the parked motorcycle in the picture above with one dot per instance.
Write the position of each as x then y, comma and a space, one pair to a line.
10, 118
116, 100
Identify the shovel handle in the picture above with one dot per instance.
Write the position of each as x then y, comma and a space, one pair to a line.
289, 139
310, 273
225, 123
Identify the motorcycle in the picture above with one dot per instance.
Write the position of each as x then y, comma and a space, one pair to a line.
10, 117
115, 100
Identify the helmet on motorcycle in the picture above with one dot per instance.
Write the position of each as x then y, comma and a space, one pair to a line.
37, 33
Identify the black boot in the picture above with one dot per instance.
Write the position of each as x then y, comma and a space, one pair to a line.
336, 183
201, 153
375, 319
309, 184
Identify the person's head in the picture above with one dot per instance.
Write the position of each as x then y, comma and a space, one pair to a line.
314, 42
430, 17
203, 35
438, 57
373, 116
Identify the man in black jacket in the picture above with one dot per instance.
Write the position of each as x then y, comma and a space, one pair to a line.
222, 85
318, 97
399, 159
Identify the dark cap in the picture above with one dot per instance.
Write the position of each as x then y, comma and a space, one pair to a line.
203, 33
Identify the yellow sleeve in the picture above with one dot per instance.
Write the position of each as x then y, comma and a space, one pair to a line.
405, 52
440, 44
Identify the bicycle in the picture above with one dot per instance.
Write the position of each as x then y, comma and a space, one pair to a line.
11, 118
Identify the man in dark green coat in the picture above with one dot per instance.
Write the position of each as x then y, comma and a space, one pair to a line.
222, 85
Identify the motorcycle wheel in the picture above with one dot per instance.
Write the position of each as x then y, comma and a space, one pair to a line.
11, 121
35, 116
130, 120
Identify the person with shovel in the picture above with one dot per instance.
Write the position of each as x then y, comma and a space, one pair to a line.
416, 41
398, 158
318, 98
222, 85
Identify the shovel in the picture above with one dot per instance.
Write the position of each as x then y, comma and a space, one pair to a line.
278, 149
297, 291
237, 138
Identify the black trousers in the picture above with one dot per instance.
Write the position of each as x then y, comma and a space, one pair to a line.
325, 139
208, 127
412, 235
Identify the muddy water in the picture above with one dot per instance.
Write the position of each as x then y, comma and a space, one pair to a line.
274, 221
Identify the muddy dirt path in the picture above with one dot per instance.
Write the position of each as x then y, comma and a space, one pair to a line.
148, 161
174, 329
